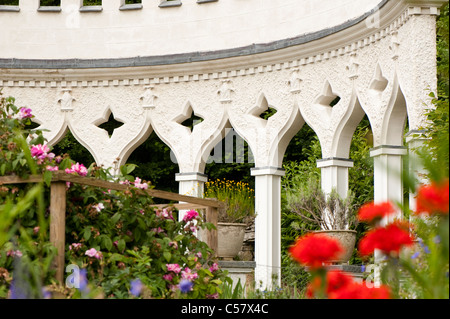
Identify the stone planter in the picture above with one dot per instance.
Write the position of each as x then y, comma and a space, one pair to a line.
230, 239
347, 238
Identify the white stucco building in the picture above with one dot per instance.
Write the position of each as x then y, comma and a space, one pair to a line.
153, 64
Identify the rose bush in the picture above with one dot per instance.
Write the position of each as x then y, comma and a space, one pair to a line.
121, 244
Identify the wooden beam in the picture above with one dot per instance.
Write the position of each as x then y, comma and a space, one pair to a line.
210, 202
211, 216
13, 179
58, 225
185, 206
64, 177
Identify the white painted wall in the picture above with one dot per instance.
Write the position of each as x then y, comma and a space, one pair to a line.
112, 33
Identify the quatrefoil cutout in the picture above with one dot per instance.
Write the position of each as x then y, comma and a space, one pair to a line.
263, 110
188, 118
109, 123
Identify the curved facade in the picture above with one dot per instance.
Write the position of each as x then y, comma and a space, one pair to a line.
227, 61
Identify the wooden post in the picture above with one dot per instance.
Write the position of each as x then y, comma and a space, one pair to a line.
58, 225
212, 215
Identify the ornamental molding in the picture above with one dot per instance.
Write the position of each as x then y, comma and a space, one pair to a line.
392, 16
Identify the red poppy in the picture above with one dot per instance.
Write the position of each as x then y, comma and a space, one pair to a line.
389, 239
358, 290
315, 249
372, 212
336, 280
433, 198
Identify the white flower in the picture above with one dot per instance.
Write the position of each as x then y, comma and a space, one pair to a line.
99, 207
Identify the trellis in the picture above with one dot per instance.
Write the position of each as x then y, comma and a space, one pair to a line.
58, 207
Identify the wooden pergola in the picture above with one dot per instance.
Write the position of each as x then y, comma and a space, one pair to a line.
58, 207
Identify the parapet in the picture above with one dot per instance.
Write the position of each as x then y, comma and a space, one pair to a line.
117, 30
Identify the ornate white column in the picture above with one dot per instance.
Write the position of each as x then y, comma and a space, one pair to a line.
268, 226
388, 164
415, 139
388, 186
334, 174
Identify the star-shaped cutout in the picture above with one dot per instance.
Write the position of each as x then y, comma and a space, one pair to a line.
109, 125
188, 118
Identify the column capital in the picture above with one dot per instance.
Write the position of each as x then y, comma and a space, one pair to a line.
416, 135
388, 150
267, 170
191, 176
334, 161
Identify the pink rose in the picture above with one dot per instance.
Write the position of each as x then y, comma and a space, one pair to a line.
80, 169
138, 184
190, 215
173, 267
94, 253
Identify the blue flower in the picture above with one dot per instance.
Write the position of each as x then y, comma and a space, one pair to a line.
415, 255
18, 290
185, 286
136, 287
46, 294
83, 282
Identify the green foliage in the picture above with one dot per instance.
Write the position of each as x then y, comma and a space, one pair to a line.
437, 151
70, 146
153, 163
313, 206
9, 2
238, 197
113, 237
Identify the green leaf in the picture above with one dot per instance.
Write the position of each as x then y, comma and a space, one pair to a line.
121, 245
115, 218
108, 243
87, 233
47, 177
179, 237
130, 168
167, 256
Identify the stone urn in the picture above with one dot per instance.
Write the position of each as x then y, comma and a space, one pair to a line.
230, 237
347, 238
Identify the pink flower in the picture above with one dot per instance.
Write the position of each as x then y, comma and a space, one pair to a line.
190, 215
188, 274
75, 246
52, 168
158, 230
168, 277
94, 253
13, 253
164, 214
138, 184
80, 169
41, 151
193, 229
173, 267
214, 267
25, 113
98, 255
